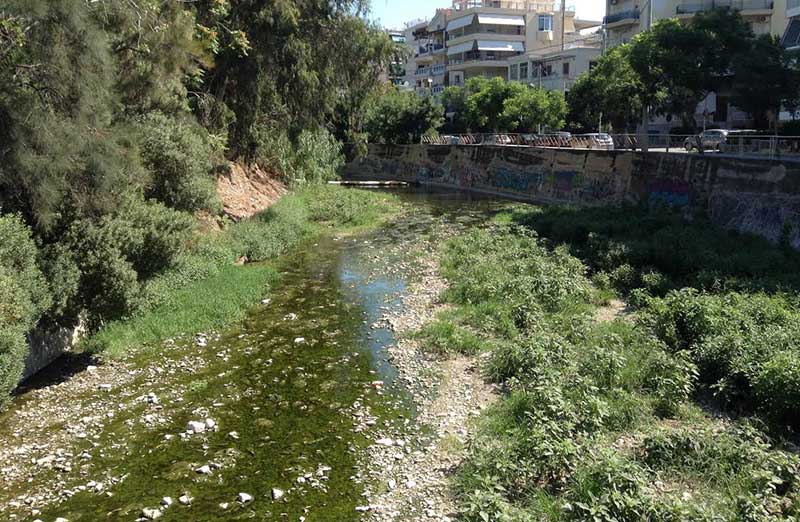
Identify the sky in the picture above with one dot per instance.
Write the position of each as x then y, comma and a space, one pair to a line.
394, 13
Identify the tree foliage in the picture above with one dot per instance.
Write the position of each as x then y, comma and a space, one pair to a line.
611, 91
531, 108
402, 117
116, 114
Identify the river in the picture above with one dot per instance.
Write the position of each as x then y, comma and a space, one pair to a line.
288, 401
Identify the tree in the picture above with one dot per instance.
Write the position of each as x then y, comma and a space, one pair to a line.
530, 108
610, 91
485, 102
454, 100
402, 117
765, 78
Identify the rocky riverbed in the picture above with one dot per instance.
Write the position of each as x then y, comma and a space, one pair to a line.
320, 406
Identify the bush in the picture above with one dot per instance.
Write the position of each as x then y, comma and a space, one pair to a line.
25, 296
776, 385
741, 344
122, 250
316, 157
179, 154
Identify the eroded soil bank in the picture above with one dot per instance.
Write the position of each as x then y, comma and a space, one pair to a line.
318, 407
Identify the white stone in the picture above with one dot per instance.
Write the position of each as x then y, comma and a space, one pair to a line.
385, 442
299, 340
195, 427
151, 513
167, 501
277, 494
244, 498
185, 499
211, 424
224, 505
204, 470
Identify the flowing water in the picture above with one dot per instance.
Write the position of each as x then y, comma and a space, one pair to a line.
293, 391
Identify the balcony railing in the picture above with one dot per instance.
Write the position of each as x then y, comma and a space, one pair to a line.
427, 49
792, 4
631, 14
734, 5
463, 5
437, 70
501, 30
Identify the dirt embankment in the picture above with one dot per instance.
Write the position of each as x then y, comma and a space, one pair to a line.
246, 190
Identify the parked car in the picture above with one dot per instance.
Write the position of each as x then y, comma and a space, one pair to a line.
714, 139
599, 140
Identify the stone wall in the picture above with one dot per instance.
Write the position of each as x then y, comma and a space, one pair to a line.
759, 196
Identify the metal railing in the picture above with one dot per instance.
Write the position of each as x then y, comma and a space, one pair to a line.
792, 4
751, 145
631, 14
735, 5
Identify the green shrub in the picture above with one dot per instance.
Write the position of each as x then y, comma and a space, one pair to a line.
671, 378
179, 154
122, 250
24, 297
776, 385
18, 258
316, 157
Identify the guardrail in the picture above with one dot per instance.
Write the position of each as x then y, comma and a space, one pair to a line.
756, 145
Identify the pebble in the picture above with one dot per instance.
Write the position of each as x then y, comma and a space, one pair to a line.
185, 499
277, 494
151, 513
299, 340
204, 470
244, 498
195, 427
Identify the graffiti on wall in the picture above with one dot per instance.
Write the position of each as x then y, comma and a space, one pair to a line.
669, 192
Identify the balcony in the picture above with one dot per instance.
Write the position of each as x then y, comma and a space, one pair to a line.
438, 70
692, 8
628, 17
425, 50
463, 5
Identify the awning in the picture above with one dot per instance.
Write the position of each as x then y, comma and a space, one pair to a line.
458, 23
490, 45
460, 48
497, 19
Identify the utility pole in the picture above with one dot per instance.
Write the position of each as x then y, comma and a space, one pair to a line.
644, 140
563, 22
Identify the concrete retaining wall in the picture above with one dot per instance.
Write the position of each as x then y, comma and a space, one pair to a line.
758, 196
45, 346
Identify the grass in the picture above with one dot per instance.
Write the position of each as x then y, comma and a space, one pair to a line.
600, 420
201, 306
204, 290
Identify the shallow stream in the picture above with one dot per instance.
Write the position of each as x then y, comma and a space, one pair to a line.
291, 397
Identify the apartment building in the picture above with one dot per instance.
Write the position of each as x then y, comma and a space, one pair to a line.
626, 18
396, 72
430, 54
558, 52
791, 38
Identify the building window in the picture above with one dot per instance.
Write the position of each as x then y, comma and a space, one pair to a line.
523, 71
548, 71
545, 22
565, 68
514, 75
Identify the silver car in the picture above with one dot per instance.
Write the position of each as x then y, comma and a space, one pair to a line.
714, 139
599, 140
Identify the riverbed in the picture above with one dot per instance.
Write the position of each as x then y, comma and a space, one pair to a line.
293, 414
